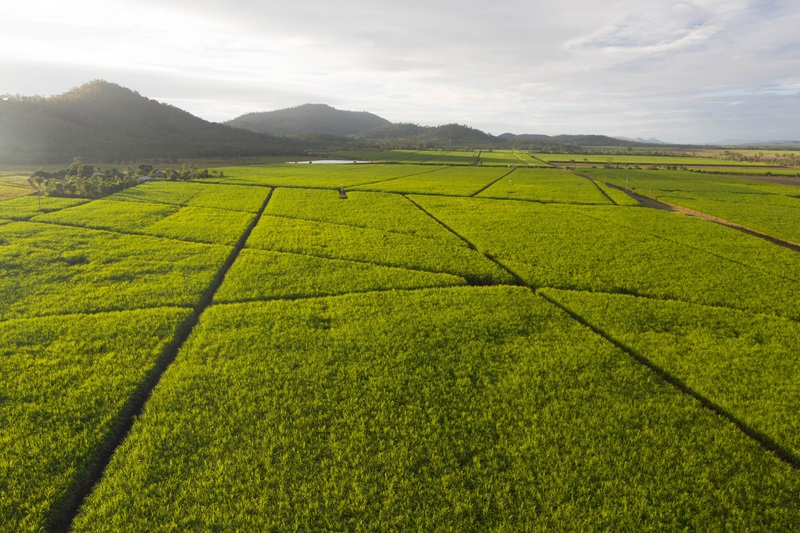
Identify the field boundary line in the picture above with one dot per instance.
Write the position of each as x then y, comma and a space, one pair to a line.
354, 188
476, 193
517, 279
95, 312
604, 193
28, 219
134, 233
132, 200
360, 261
676, 300
654, 203
444, 195
418, 193
514, 153
366, 291
433, 155
762, 439
394, 232
546, 163
64, 513
525, 200
696, 248
370, 291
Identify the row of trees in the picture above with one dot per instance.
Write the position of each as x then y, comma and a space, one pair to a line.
783, 159
84, 180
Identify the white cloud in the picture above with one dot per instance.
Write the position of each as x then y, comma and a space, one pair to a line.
623, 67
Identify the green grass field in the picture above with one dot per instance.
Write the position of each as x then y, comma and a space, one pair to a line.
448, 348
770, 208
548, 186
11, 188
514, 416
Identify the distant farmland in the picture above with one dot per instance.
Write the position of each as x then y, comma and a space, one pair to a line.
470, 341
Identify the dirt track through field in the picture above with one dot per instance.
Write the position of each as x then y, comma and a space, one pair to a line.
646, 201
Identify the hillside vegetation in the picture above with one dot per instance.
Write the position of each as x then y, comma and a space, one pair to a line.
309, 118
108, 123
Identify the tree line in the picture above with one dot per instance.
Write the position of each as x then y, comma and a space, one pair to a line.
84, 180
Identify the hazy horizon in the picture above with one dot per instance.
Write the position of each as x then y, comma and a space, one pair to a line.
698, 71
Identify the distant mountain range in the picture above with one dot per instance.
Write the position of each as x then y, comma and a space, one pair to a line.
785, 144
320, 119
651, 140
107, 123
309, 119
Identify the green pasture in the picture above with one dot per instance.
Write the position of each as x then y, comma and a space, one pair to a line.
317, 176
339, 241
194, 194
13, 187
66, 380
413, 345
195, 224
49, 269
770, 208
367, 412
571, 248
451, 181
744, 363
26, 207
548, 186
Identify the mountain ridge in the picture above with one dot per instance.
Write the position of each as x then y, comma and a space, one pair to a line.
308, 118
106, 122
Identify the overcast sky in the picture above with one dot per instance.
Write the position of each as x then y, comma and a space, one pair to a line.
682, 71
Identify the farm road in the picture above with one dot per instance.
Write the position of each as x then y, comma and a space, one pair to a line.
647, 201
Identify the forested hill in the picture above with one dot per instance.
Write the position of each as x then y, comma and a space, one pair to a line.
319, 119
108, 123
579, 140
404, 135
309, 118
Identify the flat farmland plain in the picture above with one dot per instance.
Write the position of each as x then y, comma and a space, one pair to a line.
769, 208
439, 349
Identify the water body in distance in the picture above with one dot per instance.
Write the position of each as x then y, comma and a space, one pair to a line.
330, 162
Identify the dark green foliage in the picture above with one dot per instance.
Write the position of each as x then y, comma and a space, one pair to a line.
83, 180
108, 123
308, 118
394, 136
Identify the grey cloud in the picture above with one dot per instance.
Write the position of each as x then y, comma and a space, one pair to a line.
680, 70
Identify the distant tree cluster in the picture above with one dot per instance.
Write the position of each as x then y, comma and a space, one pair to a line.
83, 180
785, 159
